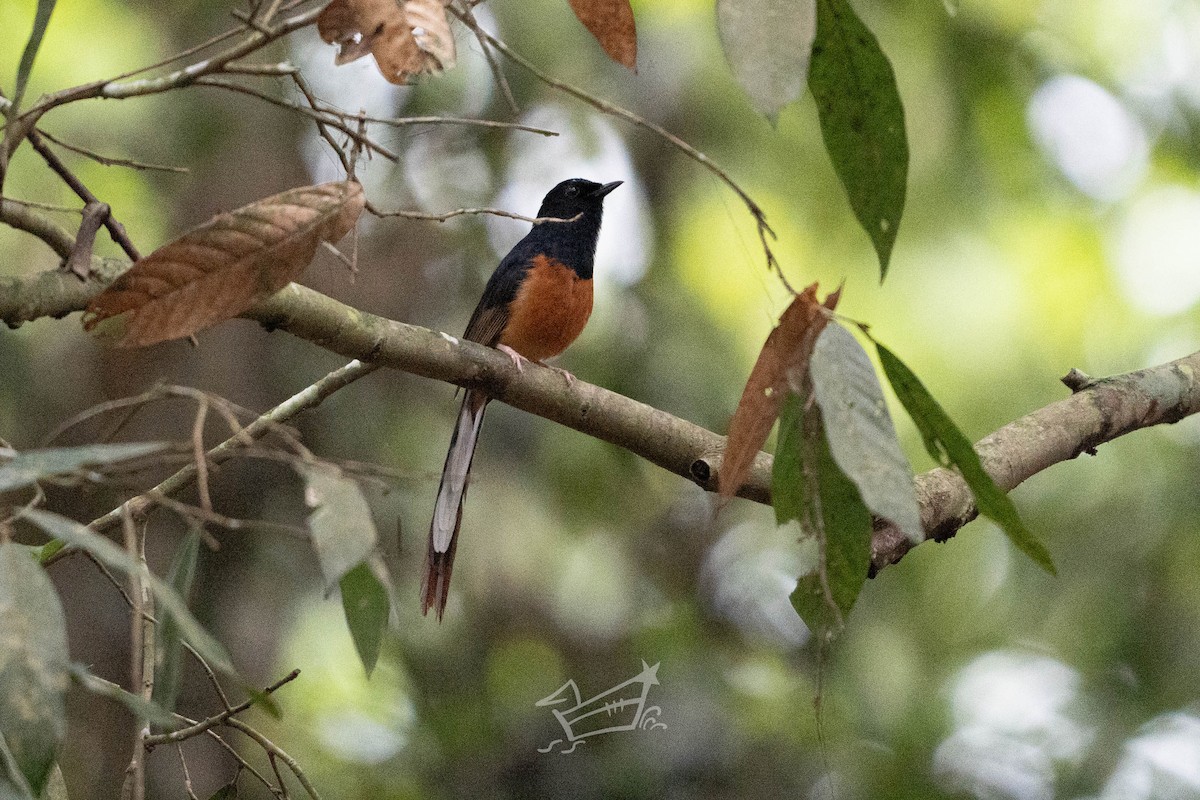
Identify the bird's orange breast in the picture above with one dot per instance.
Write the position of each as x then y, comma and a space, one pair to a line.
549, 311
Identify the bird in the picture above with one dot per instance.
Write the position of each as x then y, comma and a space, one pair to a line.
535, 304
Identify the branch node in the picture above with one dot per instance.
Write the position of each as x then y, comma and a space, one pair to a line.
1077, 380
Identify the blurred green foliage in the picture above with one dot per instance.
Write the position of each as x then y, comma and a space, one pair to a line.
964, 671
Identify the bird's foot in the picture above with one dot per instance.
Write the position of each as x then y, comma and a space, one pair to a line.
517, 359
568, 377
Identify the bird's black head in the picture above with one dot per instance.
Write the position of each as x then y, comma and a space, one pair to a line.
575, 196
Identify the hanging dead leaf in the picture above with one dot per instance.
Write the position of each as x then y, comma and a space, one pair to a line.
340, 24
223, 267
407, 39
611, 22
431, 30
787, 350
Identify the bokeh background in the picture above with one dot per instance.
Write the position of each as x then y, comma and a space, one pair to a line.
1053, 221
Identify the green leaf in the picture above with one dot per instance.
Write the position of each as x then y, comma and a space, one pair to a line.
168, 658
49, 549
168, 601
265, 701
343, 532
860, 432
862, 121
767, 44
226, 792
787, 474
365, 602
141, 708
838, 519
33, 669
31, 466
945, 441
41, 21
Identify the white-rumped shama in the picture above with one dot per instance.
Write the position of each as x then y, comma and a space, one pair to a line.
534, 305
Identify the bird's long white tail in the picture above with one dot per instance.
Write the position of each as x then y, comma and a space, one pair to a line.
447, 512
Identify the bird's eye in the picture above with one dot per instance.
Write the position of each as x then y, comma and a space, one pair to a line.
572, 191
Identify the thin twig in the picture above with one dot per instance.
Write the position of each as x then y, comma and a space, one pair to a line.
319, 116
141, 654
760, 217
208, 670
183, 734
45, 206
273, 420
110, 161
322, 128
274, 762
458, 212
241, 762
187, 776
199, 458
227, 409
115, 229
58, 238
274, 749
118, 88
80, 261
494, 65
401, 122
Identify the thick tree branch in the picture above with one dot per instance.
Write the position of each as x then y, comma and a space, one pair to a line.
53, 293
23, 218
1100, 411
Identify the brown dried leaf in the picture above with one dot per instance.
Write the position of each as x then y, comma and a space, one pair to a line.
611, 22
223, 267
786, 351
431, 30
407, 39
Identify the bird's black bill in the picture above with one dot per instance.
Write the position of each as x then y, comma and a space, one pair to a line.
606, 188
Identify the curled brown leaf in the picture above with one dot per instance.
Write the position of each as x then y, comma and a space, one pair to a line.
221, 268
611, 22
784, 358
407, 39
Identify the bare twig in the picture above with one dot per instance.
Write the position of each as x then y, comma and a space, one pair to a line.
118, 88
80, 261
110, 161
115, 229
187, 775
279, 70
45, 206
237, 757
497, 73
765, 233
199, 459
195, 729
458, 212
271, 421
276, 751
274, 762
208, 671
319, 116
323, 129
141, 655
401, 122
17, 216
